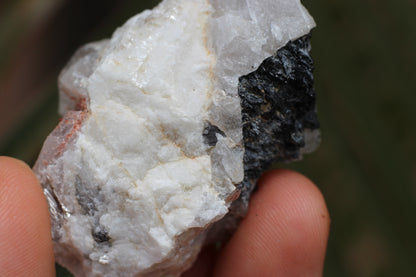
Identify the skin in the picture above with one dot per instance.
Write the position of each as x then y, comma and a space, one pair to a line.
284, 234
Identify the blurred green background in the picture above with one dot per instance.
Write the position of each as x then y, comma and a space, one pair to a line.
365, 78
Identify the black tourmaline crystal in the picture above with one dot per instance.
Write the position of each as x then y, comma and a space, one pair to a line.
278, 105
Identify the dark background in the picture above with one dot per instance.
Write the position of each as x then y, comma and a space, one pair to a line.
365, 78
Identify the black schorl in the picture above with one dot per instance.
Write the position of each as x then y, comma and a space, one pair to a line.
210, 134
88, 207
278, 104
100, 235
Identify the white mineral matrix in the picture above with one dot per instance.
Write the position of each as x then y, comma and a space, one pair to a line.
151, 149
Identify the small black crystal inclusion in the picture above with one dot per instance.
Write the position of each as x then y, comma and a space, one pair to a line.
210, 134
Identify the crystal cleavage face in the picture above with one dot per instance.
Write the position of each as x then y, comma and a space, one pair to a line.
167, 127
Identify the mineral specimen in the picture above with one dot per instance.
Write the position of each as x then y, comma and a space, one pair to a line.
168, 125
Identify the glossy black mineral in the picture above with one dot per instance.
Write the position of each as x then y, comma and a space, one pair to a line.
278, 105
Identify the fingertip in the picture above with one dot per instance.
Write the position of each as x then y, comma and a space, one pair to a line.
302, 220
25, 238
11, 167
285, 231
287, 189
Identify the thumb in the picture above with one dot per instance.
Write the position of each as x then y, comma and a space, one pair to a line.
285, 231
25, 237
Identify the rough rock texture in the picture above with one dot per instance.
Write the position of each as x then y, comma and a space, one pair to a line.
278, 118
278, 110
160, 135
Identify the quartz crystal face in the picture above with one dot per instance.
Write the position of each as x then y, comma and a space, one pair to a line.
168, 125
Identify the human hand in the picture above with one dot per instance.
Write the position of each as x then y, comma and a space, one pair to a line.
25, 234
284, 234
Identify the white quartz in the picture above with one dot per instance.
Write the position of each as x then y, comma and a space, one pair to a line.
129, 158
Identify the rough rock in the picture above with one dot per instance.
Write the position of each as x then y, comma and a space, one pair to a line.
166, 128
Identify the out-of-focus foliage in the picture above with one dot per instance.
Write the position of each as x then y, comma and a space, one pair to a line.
365, 59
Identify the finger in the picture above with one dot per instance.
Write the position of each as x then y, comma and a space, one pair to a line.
284, 234
204, 265
25, 237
